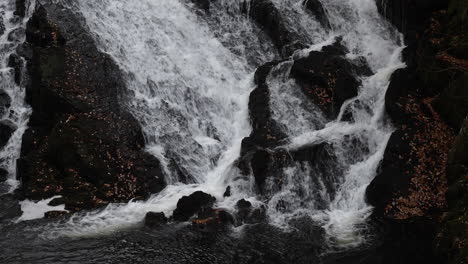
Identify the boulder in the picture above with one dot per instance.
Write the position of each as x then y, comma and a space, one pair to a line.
3, 175
5, 102
212, 219
9, 207
20, 8
7, 128
2, 26
265, 13
17, 64
81, 143
16, 35
153, 219
318, 11
327, 78
227, 193
202, 4
188, 206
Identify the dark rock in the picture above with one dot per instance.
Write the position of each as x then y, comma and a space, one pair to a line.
408, 15
188, 206
243, 204
57, 201
25, 50
153, 219
212, 219
203, 4
316, 8
2, 26
6, 130
267, 15
255, 216
265, 133
16, 63
453, 102
3, 175
55, 214
327, 79
391, 182
20, 8
80, 144
227, 193
452, 236
16, 35
5, 102
9, 207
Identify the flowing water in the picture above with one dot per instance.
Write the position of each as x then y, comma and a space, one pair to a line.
16, 114
189, 76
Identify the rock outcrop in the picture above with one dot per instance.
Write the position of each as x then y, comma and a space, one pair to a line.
190, 205
327, 79
81, 143
422, 178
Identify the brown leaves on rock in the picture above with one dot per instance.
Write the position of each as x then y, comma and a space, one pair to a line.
430, 140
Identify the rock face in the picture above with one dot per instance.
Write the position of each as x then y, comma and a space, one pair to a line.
451, 240
422, 178
188, 206
316, 8
153, 219
327, 79
81, 144
269, 18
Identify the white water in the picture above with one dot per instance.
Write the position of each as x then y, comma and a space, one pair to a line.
190, 80
366, 35
19, 112
34, 210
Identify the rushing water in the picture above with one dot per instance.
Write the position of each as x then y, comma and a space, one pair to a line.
190, 75
17, 114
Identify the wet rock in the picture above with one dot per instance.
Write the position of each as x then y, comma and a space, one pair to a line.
243, 204
5, 102
409, 16
16, 63
212, 219
2, 26
25, 50
227, 193
453, 102
20, 8
9, 207
244, 208
316, 8
80, 144
203, 4
451, 241
266, 132
267, 15
55, 214
3, 175
327, 78
188, 206
153, 219
16, 35
391, 182
6, 130
57, 201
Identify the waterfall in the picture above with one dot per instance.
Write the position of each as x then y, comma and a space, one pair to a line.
189, 77
16, 113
